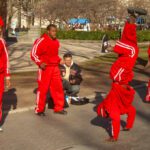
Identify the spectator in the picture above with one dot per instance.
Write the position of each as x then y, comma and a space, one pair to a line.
17, 32
71, 74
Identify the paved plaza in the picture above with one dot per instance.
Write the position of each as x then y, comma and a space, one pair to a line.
20, 53
81, 129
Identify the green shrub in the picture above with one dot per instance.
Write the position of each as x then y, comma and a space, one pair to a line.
97, 35
143, 35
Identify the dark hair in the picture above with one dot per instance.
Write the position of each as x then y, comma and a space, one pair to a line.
51, 26
67, 55
133, 15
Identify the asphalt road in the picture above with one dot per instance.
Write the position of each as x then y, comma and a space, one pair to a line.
79, 130
20, 61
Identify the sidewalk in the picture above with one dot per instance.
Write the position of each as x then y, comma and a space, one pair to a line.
81, 129
20, 54
82, 51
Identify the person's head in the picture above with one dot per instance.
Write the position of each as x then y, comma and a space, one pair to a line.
68, 59
132, 18
52, 31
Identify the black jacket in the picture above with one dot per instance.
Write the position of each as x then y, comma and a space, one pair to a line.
75, 73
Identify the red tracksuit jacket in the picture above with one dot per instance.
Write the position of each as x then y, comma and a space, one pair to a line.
127, 50
4, 60
47, 51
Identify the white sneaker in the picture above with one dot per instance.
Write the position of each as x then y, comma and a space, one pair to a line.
1, 130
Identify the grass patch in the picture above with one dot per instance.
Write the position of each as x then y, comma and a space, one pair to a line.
108, 59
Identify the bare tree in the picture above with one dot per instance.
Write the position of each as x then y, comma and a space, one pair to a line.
97, 11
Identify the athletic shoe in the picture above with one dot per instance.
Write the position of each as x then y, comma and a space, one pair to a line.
125, 129
40, 113
63, 112
111, 139
1, 130
79, 101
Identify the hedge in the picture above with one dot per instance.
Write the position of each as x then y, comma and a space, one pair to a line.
81, 35
143, 35
97, 35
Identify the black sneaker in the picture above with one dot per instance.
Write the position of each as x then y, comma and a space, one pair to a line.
111, 139
63, 112
125, 129
40, 114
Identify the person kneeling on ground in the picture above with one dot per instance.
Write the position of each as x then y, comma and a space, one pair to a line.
72, 78
71, 74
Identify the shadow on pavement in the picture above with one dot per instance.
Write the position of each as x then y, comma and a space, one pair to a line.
141, 71
99, 121
141, 61
140, 87
11, 40
9, 103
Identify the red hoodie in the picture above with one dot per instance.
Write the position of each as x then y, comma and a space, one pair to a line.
45, 50
127, 46
4, 61
128, 51
129, 34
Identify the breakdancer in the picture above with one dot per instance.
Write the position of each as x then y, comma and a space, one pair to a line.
119, 100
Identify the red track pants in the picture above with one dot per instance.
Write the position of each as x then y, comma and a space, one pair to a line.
148, 93
50, 79
1, 93
115, 117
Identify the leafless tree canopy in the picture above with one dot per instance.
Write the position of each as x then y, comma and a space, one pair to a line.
65, 9
96, 10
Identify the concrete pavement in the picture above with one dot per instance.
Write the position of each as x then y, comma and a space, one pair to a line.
81, 50
79, 130
20, 54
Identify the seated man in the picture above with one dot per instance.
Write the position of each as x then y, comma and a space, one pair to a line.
71, 74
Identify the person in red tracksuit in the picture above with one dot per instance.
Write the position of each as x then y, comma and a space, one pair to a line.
45, 55
120, 98
4, 65
148, 63
147, 99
